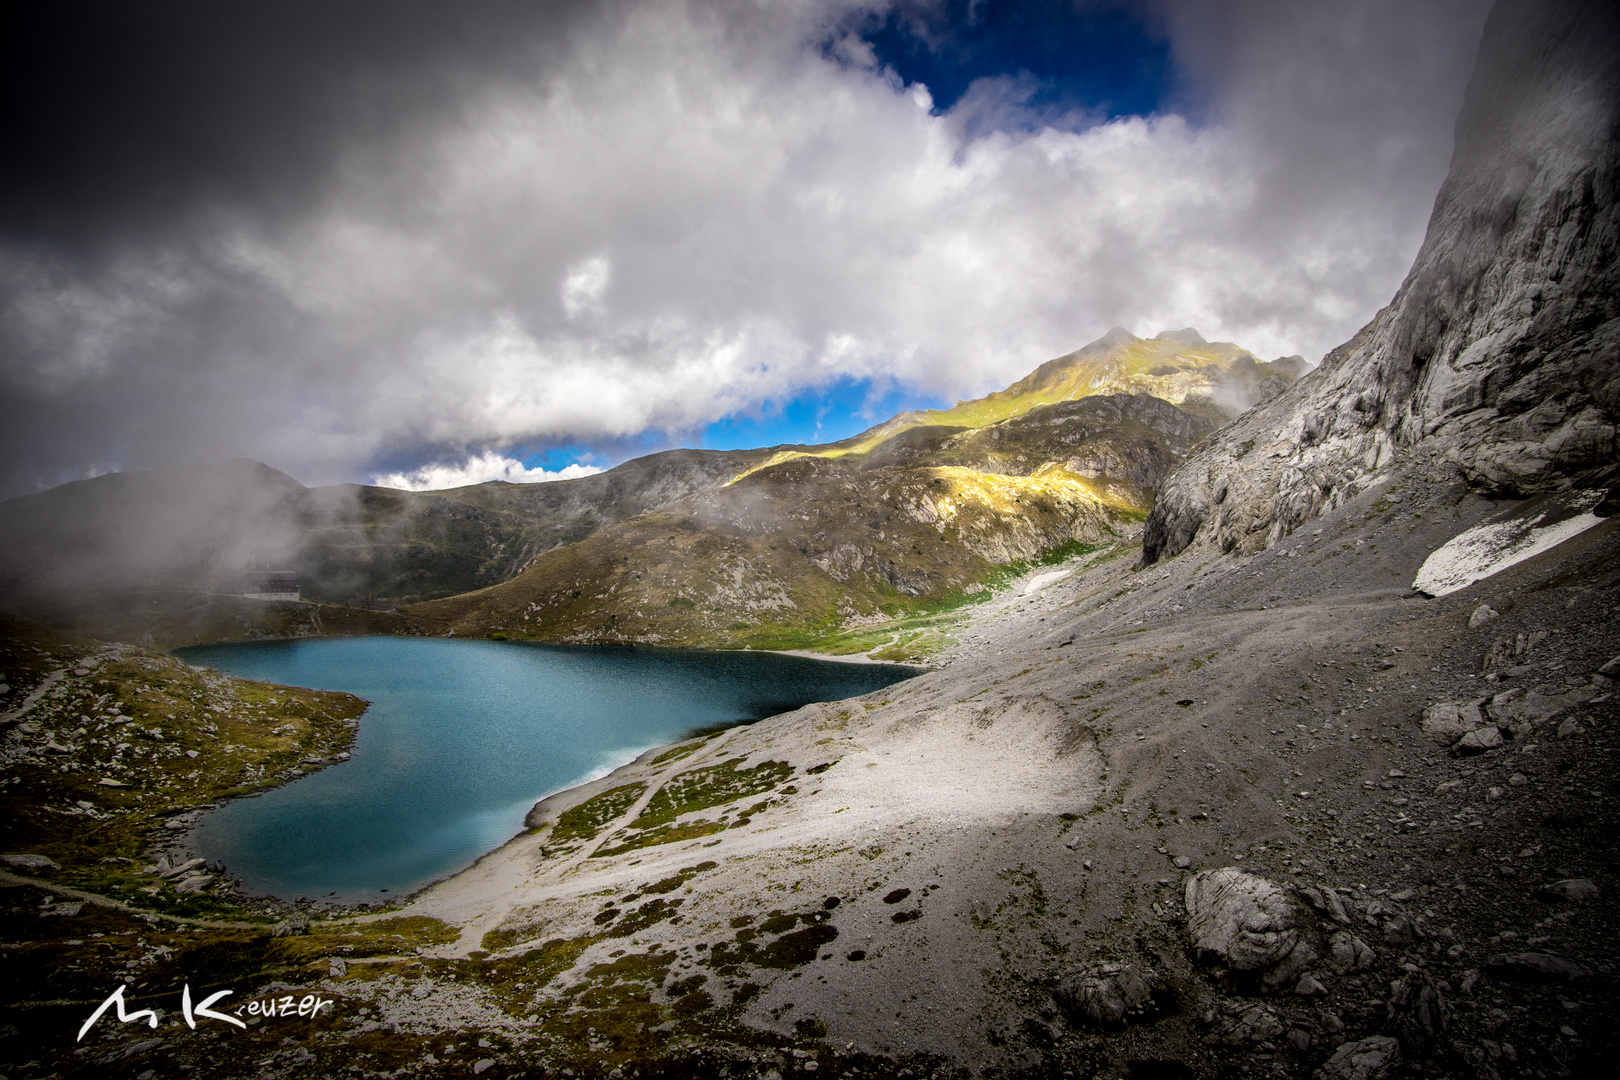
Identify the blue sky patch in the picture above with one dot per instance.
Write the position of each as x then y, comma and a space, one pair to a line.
1096, 57
817, 415
558, 457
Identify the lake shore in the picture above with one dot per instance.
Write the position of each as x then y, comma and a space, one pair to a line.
844, 658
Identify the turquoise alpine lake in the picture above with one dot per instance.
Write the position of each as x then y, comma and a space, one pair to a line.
463, 737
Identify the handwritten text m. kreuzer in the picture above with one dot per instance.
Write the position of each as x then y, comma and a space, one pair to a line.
310, 1005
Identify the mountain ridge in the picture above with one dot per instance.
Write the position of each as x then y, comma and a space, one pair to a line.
930, 505
1051, 441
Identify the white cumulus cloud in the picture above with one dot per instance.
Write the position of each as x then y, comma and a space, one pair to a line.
479, 469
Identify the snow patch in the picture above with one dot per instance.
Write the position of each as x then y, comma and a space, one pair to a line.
1041, 581
1486, 549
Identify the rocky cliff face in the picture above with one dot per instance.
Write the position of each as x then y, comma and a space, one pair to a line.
1502, 348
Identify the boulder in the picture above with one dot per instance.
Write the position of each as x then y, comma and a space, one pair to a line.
1513, 708
1419, 1013
1479, 741
1572, 890
1372, 1058
1287, 970
1534, 967
1245, 1025
1309, 986
1325, 902
291, 926
181, 868
1243, 920
1107, 994
1349, 954
29, 862
1399, 931
1447, 721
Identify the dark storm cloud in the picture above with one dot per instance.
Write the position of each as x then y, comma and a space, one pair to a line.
135, 133
332, 236
123, 117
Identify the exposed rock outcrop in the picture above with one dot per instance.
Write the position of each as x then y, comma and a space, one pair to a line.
1535, 967
1244, 921
1243, 1024
1348, 954
1108, 994
1418, 1013
1372, 1058
1502, 347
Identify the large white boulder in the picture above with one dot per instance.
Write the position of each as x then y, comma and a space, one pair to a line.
1245, 920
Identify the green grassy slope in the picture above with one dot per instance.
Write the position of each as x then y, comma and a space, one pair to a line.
810, 549
1213, 381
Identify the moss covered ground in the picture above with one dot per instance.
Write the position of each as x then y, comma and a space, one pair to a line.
122, 743
581, 823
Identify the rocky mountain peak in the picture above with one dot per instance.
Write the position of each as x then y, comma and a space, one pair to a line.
1215, 379
1185, 336
1500, 348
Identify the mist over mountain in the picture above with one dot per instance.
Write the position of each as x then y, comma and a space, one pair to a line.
202, 527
